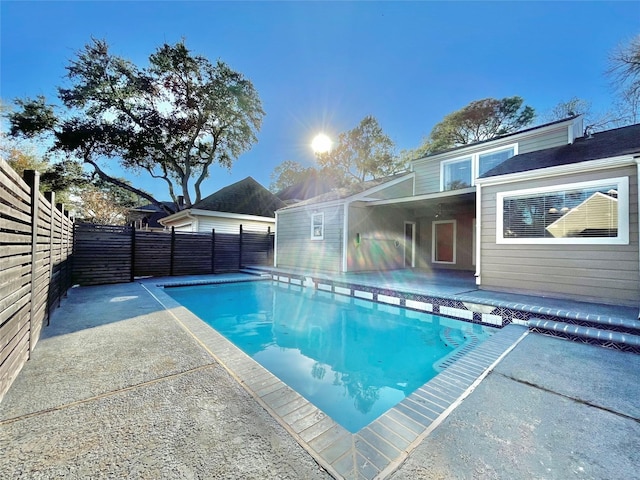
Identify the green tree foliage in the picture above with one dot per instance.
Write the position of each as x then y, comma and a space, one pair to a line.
480, 120
172, 119
94, 204
289, 173
23, 159
363, 153
624, 69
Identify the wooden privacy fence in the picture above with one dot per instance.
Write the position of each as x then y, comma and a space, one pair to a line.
36, 239
114, 254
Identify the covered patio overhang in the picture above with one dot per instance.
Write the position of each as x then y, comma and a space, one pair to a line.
434, 204
396, 233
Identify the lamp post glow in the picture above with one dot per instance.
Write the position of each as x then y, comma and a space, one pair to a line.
321, 143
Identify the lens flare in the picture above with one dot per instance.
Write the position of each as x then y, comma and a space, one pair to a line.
321, 143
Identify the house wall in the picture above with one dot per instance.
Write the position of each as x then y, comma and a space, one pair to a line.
428, 170
187, 227
555, 138
294, 247
230, 225
602, 273
464, 240
402, 189
222, 225
381, 232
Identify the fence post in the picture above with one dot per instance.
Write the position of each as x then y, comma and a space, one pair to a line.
240, 250
173, 249
133, 251
51, 197
62, 270
213, 250
69, 258
32, 178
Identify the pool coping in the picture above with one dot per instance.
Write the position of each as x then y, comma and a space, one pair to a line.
379, 448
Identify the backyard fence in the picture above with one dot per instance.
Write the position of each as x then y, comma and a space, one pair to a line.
36, 239
114, 254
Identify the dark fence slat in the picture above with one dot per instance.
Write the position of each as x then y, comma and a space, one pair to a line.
26, 276
126, 251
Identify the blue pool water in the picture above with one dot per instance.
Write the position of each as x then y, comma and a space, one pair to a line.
352, 358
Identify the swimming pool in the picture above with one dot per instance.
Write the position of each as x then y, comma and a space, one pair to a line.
352, 358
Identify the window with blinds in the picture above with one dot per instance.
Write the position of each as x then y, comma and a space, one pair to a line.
588, 212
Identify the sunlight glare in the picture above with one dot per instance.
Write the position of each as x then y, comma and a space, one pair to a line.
321, 143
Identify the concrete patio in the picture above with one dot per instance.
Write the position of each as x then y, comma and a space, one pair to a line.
118, 387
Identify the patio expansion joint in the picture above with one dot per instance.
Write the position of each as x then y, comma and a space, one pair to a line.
569, 397
107, 394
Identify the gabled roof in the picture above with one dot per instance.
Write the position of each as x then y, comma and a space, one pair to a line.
349, 191
610, 143
246, 197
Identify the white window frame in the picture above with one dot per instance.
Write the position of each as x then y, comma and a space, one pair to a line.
475, 162
313, 217
623, 214
444, 164
413, 244
433, 241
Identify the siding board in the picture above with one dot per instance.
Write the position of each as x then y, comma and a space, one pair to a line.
297, 250
605, 273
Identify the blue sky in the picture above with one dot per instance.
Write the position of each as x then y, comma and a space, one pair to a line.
323, 66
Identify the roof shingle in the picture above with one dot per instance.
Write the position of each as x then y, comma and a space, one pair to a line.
610, 143
246, 197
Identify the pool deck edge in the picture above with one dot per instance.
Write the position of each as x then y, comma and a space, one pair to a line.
364, 454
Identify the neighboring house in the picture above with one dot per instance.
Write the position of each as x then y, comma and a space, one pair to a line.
147, 217
543, 211
245, 203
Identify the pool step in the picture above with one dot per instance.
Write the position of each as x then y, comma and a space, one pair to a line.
593, 334
255, 271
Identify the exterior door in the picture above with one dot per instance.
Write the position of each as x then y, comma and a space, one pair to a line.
444, 242
409, 244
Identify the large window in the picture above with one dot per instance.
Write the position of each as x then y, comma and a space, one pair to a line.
462, 172
486, 161
456, 174
588, 212
317, 226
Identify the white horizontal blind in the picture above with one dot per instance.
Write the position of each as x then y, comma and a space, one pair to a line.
589, 212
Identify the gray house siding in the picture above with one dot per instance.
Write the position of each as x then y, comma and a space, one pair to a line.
295, 249
427, 170
402, 189
540, 142
427, 177
603, 273
381, 232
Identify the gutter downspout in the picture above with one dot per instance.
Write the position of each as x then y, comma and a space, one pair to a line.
479, 233
637, 159
345, 237
275, 243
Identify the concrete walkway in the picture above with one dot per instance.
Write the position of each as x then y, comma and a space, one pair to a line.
117, 388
